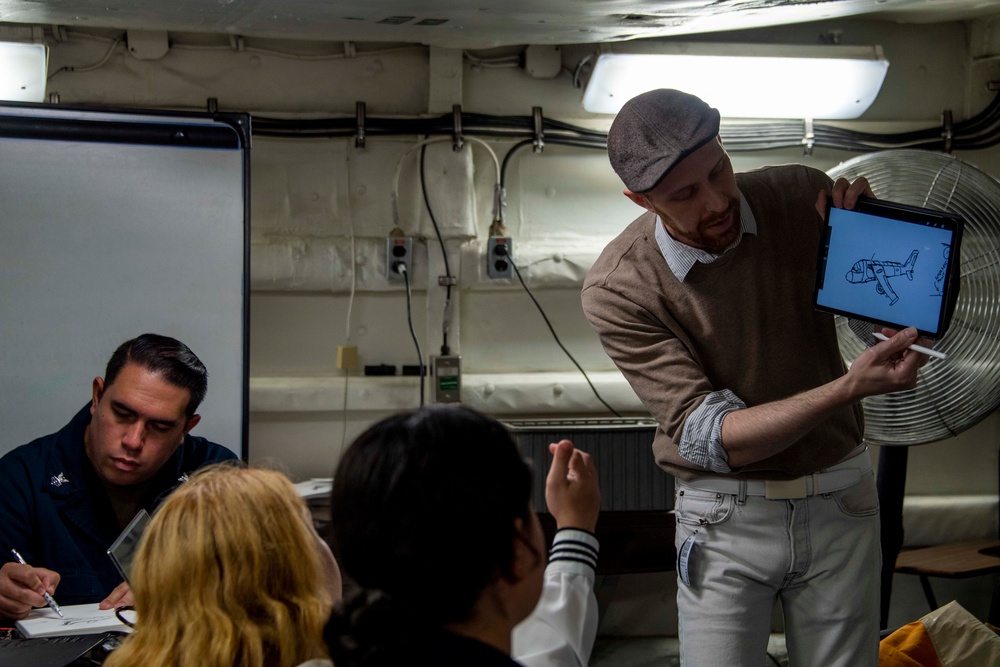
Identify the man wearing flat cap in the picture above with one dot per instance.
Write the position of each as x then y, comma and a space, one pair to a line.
705, 304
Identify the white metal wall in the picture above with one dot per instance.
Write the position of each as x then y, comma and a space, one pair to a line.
309, 197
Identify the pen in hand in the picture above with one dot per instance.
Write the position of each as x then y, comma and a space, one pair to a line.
45, 594
916, 348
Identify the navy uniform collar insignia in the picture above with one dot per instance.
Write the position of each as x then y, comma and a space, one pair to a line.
58, 480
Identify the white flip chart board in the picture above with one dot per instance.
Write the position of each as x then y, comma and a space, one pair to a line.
113, 224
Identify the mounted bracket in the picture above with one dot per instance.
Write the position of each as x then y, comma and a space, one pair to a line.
456, 133
947, 130
537, 120
808, 137
361, 116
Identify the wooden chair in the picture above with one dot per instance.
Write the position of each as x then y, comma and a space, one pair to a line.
957, 560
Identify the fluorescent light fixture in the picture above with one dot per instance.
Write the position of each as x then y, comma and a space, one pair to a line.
746, 80
23, 67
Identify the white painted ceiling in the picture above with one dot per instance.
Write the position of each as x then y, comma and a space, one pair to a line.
472, 23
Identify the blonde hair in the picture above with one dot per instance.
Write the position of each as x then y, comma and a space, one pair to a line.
228, 574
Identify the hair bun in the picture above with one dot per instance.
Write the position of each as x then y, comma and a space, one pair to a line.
369, 628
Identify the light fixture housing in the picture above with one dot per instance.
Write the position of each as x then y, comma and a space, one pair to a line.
746, 80
23, 68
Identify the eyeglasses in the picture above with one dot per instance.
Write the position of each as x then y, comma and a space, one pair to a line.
126, 615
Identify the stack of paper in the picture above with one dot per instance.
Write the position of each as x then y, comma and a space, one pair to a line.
318, 487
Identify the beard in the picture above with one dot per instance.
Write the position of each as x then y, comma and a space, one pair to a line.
713, 234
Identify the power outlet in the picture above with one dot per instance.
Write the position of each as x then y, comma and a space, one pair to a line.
398, 250
446, 372
499, 251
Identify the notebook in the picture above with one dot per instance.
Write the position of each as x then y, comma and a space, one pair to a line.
79, 619
890, 264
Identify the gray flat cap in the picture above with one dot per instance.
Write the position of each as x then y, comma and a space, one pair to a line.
656, 130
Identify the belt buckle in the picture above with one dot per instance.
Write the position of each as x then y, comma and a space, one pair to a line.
788, 489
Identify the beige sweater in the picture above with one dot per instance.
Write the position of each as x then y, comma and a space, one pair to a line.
744, 323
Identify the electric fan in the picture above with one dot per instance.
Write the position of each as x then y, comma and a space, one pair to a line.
955, 394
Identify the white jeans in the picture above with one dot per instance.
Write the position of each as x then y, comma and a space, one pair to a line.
819, 555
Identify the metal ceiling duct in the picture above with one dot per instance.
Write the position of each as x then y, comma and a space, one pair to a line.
952, 395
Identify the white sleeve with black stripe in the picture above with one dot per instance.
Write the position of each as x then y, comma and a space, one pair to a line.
561, 630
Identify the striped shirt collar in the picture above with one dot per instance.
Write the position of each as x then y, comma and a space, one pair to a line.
680, 257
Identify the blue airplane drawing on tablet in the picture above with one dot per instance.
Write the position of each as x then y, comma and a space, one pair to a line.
867, 270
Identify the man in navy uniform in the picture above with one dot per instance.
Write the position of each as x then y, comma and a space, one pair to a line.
67, 496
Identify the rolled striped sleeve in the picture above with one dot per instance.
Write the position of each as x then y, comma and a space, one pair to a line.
701, 439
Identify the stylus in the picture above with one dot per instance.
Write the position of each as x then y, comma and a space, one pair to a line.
916, 348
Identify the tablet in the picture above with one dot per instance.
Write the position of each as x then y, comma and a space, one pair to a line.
123, 550
890, 264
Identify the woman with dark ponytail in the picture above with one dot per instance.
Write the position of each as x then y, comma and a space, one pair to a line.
435, 530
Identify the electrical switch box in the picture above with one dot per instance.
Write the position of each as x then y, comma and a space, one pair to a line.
347, 357
499, 250
446, 374
543, 61
398, 251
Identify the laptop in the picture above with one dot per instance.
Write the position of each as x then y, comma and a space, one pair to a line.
54, 651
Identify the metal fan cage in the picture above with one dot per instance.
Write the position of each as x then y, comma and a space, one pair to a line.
955, 394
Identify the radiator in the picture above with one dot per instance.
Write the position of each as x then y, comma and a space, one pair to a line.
621, 449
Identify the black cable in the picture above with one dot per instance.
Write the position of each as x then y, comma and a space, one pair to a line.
472, 124
427, 205
579, 143
773, 659
979, 132
444, 253
481, 124
409, 317
559, 342
506, 159
549, 140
